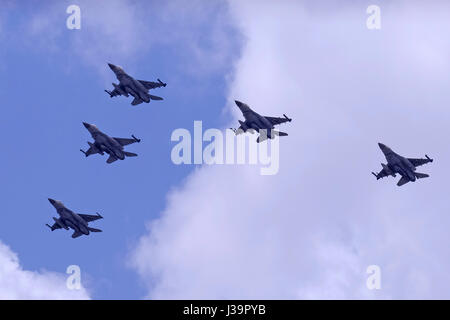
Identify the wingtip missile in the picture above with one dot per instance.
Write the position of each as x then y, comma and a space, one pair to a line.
162, 83
429, 159
376, 176
135, 139
287, 118
99, 215
48, 226
84, 152
109, 92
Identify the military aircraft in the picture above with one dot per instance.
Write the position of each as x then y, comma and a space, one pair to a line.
255, 122
406, 167
69, 219
104, 143
137, 88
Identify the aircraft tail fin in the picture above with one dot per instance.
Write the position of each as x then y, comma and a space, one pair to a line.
111, 159
76, 234
136, 101
130, 154
261, 138
402, 181
421, 175
152, 97
94, 230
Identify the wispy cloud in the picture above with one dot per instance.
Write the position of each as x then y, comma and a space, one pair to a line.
124, 32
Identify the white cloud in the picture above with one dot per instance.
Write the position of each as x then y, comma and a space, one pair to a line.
312, 230
123, 32
17, 283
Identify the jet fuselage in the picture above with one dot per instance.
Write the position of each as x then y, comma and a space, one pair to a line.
253, 120
105, 143
398, 164
130, 85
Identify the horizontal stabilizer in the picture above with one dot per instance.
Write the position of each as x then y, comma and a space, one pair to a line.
421, 175
94, 230
281, 134
152, 97
130, 154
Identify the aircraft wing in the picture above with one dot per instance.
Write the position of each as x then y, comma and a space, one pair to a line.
90, 217
152, 85
126, 141
419, 162
276, 120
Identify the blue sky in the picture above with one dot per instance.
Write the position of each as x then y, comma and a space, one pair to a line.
47, 93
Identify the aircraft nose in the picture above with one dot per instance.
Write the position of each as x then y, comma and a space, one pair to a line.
238, 103
51, 201
86, 125
113, 67
382, 146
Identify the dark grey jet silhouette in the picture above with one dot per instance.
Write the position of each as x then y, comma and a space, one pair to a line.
405, 167
105, 144
137, 88
69, 219
255, 122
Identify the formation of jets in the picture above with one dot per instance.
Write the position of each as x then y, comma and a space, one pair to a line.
253, 122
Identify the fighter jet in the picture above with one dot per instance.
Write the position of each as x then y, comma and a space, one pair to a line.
69, 219
255, 122
406, 167
104, 143
137, 88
